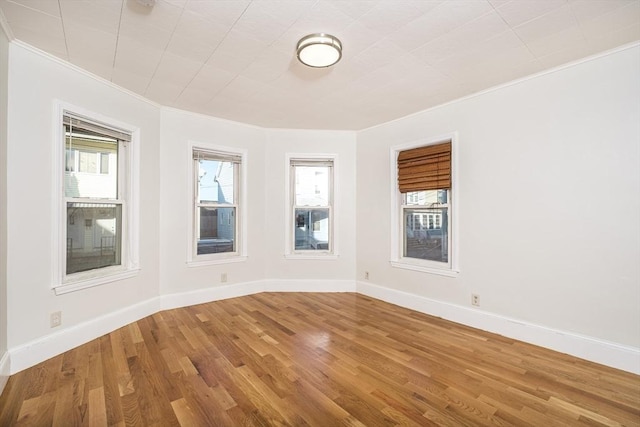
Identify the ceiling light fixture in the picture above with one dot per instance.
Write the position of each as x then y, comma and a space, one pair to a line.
319, 50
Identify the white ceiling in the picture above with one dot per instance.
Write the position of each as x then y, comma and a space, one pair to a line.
235, 59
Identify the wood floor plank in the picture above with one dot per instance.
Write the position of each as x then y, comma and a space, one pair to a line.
316, 359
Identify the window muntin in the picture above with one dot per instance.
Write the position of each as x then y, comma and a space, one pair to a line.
312, 200
216, 202
95, 201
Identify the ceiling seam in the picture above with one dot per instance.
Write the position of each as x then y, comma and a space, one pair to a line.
239, 73
115, 51
204, 63
64, 33
164, 51
535, 58
213, 53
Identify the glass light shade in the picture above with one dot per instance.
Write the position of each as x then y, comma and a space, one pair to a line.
319, 50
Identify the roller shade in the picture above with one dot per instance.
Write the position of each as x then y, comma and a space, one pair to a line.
425, 168
78, 124
312, 163
200, 154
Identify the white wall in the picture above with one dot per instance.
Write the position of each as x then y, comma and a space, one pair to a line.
178, 128
549, 189
340, 143
4, 64
35, 81
549, 205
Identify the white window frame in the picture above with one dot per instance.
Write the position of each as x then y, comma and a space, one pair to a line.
128, 183
290, 252
240, 254
397, 259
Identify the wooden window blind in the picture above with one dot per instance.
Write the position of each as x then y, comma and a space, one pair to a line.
425, 168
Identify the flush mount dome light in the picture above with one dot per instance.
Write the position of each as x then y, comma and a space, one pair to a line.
319, 50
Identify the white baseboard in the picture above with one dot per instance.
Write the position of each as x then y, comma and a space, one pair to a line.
41, 349
606, 353
200, 296
5, 370
288, 285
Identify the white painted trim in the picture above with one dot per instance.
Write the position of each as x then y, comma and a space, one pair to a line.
194, 260
219, 120
102, 279
217, 261
326, 256
43, 348
82, 71
5, 370
201, 296
289, 252
396, 225
7, 30
423, 269
293, 285
131, 194
607, 353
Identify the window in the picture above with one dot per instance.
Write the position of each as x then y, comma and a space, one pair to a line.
96, 231
423, 208
217, 205
310, 230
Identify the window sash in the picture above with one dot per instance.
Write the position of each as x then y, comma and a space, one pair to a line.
295, 226
423, 227
301, 162
122, 171
236, 159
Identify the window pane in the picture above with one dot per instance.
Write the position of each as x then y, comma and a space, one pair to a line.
70, 163
425, 198
216, 182
311, 229
94, 233
217, 230
312, 185
94, 177
87, 162
104, 162
426, 235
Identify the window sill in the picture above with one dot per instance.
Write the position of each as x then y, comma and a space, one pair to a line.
424, 269
216, 261
320, 256
89, 282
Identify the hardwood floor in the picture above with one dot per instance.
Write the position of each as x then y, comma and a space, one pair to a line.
314, 359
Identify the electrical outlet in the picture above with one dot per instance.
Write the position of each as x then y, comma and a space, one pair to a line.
366, 275
56, 319
223, 277
475, 299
